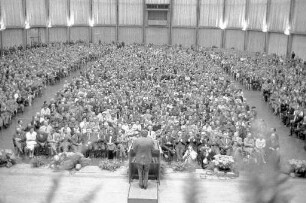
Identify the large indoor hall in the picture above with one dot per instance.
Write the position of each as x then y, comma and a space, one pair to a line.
184, 101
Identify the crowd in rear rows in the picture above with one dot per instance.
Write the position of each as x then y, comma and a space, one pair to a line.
25, 73
282, 82
179, 97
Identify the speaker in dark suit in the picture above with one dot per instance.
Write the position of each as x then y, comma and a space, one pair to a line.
143, 148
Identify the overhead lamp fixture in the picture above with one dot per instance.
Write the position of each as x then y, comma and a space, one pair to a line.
244, 26
91, 22
27, 25
70, 21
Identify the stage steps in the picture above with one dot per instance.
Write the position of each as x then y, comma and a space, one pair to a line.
138, 195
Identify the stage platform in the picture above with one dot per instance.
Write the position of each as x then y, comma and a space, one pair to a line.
138, 195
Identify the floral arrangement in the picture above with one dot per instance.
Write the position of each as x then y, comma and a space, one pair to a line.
223, 162
298, 166
179, 166
110, 165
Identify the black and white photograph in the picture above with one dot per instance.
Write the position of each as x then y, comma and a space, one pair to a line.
153, 101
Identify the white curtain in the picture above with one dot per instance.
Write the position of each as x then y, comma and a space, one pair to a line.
299, 22
256, 41
158, 1
185, 37
79, 12
279, 15
184, 12
104, 12
210, 37
130, 12
36, 12
277, 44
235, 13
257, 14
12, 13
211, 12
299, 46
234, 39
58, 12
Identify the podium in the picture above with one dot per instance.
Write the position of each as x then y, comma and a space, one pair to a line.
138, 195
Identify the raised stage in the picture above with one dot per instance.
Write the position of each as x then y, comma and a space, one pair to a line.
138, 195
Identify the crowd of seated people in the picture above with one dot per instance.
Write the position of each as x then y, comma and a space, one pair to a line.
282, 82
181, 97
25, 73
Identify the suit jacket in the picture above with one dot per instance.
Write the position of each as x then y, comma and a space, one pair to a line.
143, 147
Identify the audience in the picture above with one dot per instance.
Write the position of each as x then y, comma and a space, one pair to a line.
183, 98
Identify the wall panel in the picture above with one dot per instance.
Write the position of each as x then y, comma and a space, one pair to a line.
104, 34
277, 44
157, 36
79, 33
184, 12
79, 12
36, 13
256, 41
12, 13
185, 37
298, 23
279, 15
211, 12
12, 37
58, 34
299, 46
257, 14
36, 34
130, 12
58, 12
210, 37
235, 13
130, 35
104, 12
234, 39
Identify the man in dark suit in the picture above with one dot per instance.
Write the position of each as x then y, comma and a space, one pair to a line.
143, 148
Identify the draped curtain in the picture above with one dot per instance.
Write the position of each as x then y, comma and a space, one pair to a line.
158, 1
79, 12
298, 21
130, 12
58, 12
104, 12
12, 13
257, 14
279, 15
235, 13
184, 12
36, 12
211, 12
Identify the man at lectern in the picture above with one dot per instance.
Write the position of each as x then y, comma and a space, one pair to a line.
143, 148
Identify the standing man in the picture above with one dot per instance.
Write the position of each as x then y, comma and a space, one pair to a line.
143, 148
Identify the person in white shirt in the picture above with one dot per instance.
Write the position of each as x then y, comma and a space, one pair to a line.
45, 111
151, 133
31, 141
